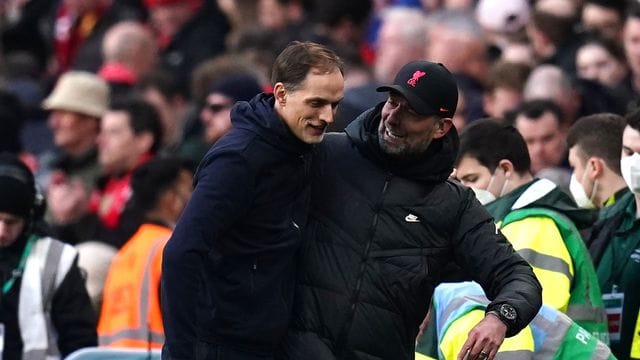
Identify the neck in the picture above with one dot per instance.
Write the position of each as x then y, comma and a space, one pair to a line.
607, 187
161, 216
516, 181
637, 196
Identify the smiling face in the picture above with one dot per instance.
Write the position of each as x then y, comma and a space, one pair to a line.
310, 108
403, 132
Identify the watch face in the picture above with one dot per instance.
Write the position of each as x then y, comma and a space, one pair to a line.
508, 312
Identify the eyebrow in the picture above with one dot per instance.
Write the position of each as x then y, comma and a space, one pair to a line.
323, 100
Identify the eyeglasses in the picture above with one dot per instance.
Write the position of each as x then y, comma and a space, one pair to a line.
215, 108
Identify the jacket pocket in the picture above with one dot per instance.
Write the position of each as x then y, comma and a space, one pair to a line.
417, 264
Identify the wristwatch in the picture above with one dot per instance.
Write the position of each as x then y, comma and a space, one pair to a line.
506, 313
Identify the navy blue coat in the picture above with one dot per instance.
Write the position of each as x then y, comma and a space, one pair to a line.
233, 248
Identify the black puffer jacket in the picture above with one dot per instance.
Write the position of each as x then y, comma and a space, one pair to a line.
379, 234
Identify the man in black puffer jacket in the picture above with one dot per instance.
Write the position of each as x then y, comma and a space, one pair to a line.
234, 247
385, 222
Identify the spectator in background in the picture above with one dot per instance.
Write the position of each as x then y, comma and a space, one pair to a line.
77, 103
594, 144
502, 21
340, 22
618, 266
188, 32
551, 32
455, 38
130, 135
551, 83
402, 38
631, 42
604, 18
216, 112
540, 123
172, 104
129, 52
130, 315
602, 60
45, 309
80, 27
576, 97
503, 93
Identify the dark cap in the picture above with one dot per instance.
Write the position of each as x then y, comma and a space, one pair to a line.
17, 189
429, 88
238, 87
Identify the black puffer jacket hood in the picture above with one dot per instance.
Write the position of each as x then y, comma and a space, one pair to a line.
257, 116
435, 165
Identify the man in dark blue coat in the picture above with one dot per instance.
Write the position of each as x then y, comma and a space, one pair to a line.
233, 248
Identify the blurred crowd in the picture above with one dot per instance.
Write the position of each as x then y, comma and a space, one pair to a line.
94, 92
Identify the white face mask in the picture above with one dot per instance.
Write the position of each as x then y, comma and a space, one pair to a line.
630, 167
485, 196
579, 195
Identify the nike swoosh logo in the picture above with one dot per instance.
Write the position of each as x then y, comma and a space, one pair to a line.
412, 218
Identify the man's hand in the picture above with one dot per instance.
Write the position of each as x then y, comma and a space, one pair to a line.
484, 339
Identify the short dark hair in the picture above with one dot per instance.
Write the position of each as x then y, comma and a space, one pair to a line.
534, 109
507, 75
610, 46
598, 135
298, 58
150, 180
633, 119
618, 6
633, 11
143, 117
557, 28
480, 141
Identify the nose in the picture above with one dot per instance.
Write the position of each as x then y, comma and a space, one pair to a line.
327, 114
394, 116
4, 231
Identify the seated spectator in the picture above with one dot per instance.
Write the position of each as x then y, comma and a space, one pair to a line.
45, 309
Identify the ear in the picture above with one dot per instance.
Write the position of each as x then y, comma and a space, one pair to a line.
144, 142
595, 166
507, 167
442, 128
280, 94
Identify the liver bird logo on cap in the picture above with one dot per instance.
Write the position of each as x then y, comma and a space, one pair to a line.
415, 77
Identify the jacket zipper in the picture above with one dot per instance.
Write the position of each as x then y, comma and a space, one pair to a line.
343, 335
